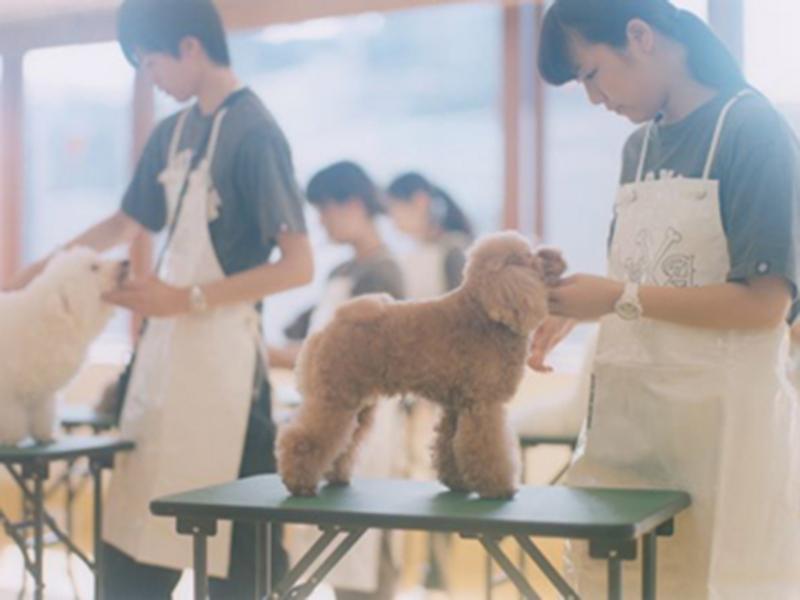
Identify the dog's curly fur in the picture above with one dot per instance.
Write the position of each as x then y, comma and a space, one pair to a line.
45, 331
464, 351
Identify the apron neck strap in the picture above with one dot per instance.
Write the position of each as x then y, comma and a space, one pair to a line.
643, 154
712, 152
714, 143
176, 135
214, 136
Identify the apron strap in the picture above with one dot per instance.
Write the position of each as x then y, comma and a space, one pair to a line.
712, 153
643, 155
214, 138
176, 135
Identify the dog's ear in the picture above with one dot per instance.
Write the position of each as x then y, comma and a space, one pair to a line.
514, 295
552, 264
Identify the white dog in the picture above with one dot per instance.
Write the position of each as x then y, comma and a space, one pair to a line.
45, 331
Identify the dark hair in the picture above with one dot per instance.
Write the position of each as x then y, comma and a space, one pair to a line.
160, 25
606, 22
341, 182
444, 210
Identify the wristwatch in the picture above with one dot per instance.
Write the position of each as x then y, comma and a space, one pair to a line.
628, 307
197, 299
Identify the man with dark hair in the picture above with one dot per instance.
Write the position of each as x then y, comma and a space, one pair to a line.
218, 179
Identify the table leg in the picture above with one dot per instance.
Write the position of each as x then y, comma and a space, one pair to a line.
38, 536
649, 567
99, 570
263, 585
614, 577
200, 566
200, 530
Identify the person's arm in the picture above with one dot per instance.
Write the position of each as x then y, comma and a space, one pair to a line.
153, 297
284, 357
546, 337
116, 230
759, 303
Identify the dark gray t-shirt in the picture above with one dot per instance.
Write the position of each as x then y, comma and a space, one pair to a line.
455, 258
252, 172
378, 274
758, 168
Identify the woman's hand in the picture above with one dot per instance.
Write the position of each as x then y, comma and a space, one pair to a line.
585, 297
547, 336
150, 298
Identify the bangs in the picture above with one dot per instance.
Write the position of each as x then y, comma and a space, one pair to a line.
555, 61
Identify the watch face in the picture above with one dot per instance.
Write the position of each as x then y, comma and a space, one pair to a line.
628, 311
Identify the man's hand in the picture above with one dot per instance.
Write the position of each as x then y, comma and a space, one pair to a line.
150, 298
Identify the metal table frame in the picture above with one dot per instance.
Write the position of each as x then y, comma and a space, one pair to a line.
29, 467
526, 442
197, 513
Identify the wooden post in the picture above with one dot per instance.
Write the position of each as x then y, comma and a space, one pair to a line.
524, 117
727, 19
511, 115
11, 197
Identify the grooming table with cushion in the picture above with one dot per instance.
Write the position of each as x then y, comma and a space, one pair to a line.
613, 521
29, 466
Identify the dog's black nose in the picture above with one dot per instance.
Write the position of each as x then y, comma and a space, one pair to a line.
124, 270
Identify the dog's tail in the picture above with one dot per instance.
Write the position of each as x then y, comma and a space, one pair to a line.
305, 360
364, 308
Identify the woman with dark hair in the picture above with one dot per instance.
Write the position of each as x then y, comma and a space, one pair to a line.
688, 382
348, 204
441, 233
441, 230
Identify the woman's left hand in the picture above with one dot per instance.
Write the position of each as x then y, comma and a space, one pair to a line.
150, 298
584, 297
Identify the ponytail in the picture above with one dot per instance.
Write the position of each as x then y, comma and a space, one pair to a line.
444, 212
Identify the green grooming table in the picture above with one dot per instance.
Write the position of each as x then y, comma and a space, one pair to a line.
613, 521
73, 417
29, 466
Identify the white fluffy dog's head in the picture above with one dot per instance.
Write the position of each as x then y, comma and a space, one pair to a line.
73, 284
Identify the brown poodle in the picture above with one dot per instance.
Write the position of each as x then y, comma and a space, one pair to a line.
465, 351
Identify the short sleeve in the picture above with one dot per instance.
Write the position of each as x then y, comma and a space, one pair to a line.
383, 276
265, 180
144, 200
759, 174
454, 262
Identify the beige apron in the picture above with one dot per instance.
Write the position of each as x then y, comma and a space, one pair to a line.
705, 411
191, 387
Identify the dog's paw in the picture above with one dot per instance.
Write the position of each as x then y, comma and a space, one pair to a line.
300, 486
455, 484
302, 490
337, 479
497, 493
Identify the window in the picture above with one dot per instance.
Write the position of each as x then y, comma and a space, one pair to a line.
771, 42
417, 89
77, 154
